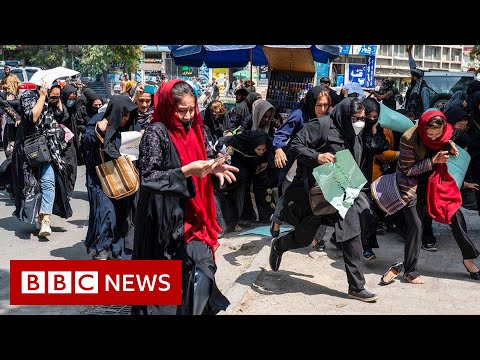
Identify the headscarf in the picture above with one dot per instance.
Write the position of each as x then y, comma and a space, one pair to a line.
371, 105
342, 119
118, 106
199, 218
310, 100
440, 142
91, 96
251, 98
454, 115
210, 123
259, 108
130, 84
443, 195
247, 141
66, 91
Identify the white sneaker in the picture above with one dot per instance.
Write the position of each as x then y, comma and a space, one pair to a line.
45, 229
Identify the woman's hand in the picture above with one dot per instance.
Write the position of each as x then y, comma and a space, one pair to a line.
102, 124
225, 172
326, 158
440, 158
467, 185
454, 150
43, 89
280, 158
199, 168
374, 128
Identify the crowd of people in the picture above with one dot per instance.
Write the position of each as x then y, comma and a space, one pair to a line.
206, 173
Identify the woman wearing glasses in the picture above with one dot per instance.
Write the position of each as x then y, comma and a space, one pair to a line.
40, 191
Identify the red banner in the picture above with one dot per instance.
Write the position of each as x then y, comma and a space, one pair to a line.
87, 282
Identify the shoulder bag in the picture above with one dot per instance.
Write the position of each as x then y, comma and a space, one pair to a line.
118, 177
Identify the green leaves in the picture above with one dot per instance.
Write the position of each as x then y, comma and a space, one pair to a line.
98, 58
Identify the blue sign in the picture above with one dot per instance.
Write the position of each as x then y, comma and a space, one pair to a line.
321, 70
370, 72
340, 79
368, 50
356, 73
344, 49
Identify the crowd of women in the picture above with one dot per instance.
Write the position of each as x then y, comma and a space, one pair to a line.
203, 174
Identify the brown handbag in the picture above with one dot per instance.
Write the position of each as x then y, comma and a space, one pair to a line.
319, 205
118, 177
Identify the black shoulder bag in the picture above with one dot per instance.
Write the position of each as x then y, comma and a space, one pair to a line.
36, 150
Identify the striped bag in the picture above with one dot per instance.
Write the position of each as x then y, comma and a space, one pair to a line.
118, 177
387, 195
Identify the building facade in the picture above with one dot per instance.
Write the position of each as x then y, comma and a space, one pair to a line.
392, 61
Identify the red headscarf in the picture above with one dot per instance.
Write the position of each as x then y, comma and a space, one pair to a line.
199, 218
443, 195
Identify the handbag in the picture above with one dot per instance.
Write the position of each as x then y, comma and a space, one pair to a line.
118, 177
36, 150
319, 205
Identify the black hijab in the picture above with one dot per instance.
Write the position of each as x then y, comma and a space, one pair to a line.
91, 96
66, 91
118, 106
371, 105
342, 119
310, 100
247, 141
473, 107
455, 115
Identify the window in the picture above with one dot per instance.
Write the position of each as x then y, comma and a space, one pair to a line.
385, 50
455, 55
399, 51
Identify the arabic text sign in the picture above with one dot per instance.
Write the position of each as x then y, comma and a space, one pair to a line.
370, 72
368, 50
341, 181
356, 73
458, 165
344, 49
130, 144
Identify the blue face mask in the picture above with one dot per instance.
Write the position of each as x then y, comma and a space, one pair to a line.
70, 103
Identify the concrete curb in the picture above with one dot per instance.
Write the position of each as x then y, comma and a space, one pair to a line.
238, 290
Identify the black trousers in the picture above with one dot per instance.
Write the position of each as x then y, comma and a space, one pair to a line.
352, 249
415, 217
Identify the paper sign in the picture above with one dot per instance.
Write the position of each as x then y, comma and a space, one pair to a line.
341, 181
130, 144
50, 75
393, 120
458, 165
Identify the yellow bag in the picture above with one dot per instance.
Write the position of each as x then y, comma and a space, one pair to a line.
118, 177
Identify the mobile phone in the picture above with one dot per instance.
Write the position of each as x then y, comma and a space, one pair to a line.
151, 89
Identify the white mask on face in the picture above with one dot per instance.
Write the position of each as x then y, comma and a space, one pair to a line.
358, 126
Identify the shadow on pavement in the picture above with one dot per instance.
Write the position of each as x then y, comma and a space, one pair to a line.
79, 223
21, 229
246, 249
285, 282
81, 195
75, 252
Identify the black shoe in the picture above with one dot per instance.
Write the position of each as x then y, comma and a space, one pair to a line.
320, 246
275, 256
473, 275
429, 247
362, 295
275, 233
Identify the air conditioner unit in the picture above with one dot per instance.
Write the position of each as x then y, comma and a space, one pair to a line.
457, 58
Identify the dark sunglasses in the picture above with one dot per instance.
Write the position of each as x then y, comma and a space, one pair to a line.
53, 97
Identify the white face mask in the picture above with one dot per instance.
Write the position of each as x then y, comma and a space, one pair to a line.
358, 126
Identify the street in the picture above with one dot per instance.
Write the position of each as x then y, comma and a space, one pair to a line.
303, 285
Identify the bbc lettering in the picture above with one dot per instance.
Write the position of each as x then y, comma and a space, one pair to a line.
59, 282
85, 282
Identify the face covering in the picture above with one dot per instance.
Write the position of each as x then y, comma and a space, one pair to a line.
70, 103
187, 124
358, 126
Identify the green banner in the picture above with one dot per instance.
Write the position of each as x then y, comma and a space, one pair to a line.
340, 181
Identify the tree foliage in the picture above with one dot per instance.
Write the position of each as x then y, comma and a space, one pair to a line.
47, 56
96, 59
475, 53
8, 47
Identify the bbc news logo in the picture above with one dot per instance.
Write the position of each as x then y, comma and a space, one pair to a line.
86, 282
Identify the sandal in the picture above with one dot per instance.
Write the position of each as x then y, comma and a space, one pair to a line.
395, 269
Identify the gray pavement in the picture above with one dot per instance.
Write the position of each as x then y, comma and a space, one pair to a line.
303, 285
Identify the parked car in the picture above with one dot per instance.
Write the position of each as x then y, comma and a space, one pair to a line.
444, 84
24, 73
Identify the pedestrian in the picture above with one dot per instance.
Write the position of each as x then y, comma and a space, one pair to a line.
10, 82
176, 208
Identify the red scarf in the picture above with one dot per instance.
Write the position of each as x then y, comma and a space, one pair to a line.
443, 195
199, 219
